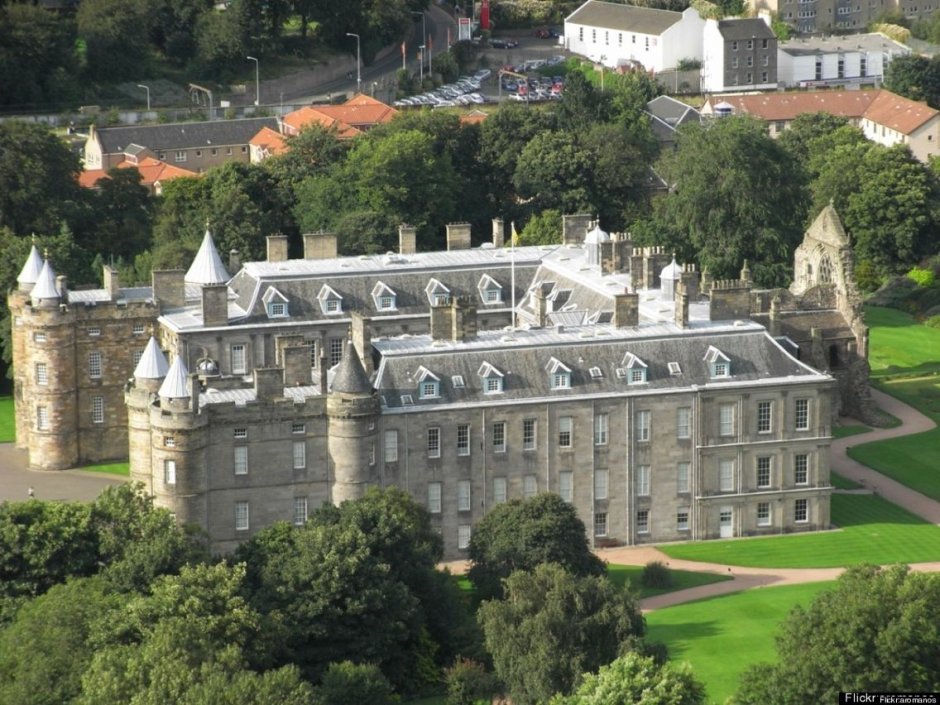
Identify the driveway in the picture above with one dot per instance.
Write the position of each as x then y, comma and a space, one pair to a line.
16, 479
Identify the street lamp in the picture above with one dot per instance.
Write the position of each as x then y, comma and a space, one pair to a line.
146, 88
358, 62
257, 79
421, 63
374, 86
424, 32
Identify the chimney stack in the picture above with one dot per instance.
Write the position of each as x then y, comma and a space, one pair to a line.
458, 236
626, 310
682, 305
406, 240
499, 232
362, 340
234, 260
112, 282
277, 248
730, 300
319, 246
169, 287
296, 362
574, 228
214, 305
269, 383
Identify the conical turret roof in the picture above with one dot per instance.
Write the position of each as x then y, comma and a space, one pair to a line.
174, 386
207, 268
153, 364
30, 272
350, 377
45, 284
671, 271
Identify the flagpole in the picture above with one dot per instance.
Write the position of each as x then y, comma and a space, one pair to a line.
512, 267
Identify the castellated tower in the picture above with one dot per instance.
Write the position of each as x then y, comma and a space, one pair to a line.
353, 409
139, 396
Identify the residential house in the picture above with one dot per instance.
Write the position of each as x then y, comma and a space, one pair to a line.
891, 119
195, 146
856, 59
357, 115
815, 16
667, 115
267, 143
153, 172
739, 54
617, 35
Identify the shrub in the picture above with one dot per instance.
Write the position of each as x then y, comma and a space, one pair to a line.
933, 322
349, 683
868, 276
656, 575
468, 682
922, 277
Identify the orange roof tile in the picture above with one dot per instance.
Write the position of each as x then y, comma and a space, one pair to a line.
90, 177
899, 114
473, 117
151, 171
312, 114
787, 106
270, 140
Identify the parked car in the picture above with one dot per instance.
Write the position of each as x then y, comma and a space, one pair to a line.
498, 43
482, 75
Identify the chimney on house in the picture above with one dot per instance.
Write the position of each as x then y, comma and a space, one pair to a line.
277, 248
730, 300
464, 319
296, 363
541, 307
112, 282
406, 239
689, 278
682, 305
319, 246
499, 232
214, 305
234, 260
458, 236
269, 383
362, 340
169, 287
626, 310
574, 228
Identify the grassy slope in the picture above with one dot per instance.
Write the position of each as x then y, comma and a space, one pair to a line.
899, 345
872, 530
708, 633
7, 425
681, 579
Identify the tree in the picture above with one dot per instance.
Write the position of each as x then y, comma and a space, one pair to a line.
220, 42
555, 170
38, 179
915, 77
123, 212
878, 630
582, 104
348, 683
636, 679
553, 627
519, 535
737, 195
806, 128
543, 228
105, 26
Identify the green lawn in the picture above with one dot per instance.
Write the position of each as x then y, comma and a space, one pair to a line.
722, 636
846, 431
899, 345
872, 530
121, 468
7, 424
842, 483
681, 579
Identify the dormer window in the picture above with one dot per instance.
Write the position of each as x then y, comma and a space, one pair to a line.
429, 384
492, 379
331, 303
635, 369
675, 369
596, 373
438, 294
275, 303
385, 299
719, 365
560, 374
490, 290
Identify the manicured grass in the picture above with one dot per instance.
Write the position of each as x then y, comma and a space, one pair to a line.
846, 431
121, 469
842, 483
681, 579
911, 460
898, 344
722, 636
872, 530
7, 423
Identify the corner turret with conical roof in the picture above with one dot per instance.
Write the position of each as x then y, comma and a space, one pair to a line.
207, 267
44, 292
29, 275
352, 407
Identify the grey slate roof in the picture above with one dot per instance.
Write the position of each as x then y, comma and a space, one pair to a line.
184, 135
350, 377
745, 28
624, 18
755, 358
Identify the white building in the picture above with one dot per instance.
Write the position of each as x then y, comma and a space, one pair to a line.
856, 59
624, 35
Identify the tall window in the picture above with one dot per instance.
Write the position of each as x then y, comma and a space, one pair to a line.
643, 521
682, 478
434, 497
391, 446
682, 519
566, 485
97, 409
434, 442
499, 490
300, 511
600, 484
565, 431
241, 516
336, 351
801, 511
726, 475
530, 486
238, 359
643, 480
499, 437
169, 472
463, 537
600, 524
600, 430
42, 418
463, 496
529, 434
642, 426
42, 374
764, 416
94, 365
801, 469
726, 420
300, 455
763, 513
763, 471
463, 439
801, 415
241, 460
683, 422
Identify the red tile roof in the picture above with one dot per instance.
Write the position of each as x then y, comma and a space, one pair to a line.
270, 141
356, 115
151, 171
294, 122
899, 114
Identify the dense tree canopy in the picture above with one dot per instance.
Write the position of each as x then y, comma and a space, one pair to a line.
877, 631
521, 534
553, 627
